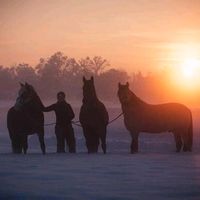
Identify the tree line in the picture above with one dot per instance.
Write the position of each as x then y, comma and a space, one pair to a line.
60, 72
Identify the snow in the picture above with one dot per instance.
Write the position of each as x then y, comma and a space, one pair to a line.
111, 176
157, 172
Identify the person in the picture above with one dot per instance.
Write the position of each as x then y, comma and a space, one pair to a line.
63, 129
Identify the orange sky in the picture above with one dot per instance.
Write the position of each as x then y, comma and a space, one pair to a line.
132, 34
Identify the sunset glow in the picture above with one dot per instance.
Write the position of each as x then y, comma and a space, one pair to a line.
134, 36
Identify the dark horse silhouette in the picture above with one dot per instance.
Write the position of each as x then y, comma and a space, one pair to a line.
142, 117
26, 118
93, 118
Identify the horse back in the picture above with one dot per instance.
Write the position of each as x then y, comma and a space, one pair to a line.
157, 118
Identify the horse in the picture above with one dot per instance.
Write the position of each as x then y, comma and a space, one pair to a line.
140, 116
26, 118
93, 118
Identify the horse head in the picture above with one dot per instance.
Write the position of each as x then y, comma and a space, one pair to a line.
89, 93
26, 95
124, 93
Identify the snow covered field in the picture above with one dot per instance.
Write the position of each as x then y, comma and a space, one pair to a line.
113, 176
157, 172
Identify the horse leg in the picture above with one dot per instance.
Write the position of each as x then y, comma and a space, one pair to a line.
14, 142
41, 140
185, 141
12, 139
85, 135
87, 132
134, 143
103, 140
95, 143
90, 139
13, 146
17, 144
178, 141
103, 144
25, 143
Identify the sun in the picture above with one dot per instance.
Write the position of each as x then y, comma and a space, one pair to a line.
190, 68
187, 74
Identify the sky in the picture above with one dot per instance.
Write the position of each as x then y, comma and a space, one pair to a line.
131, 34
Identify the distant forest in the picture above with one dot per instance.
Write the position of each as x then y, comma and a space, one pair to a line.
60, 72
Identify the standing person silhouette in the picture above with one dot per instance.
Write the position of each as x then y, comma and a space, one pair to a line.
63, 129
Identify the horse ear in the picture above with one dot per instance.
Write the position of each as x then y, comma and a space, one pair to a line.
127, 84
92, 78
119, 84
21, 84
84, 79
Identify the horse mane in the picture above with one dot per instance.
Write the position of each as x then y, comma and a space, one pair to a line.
36, 96
135, 99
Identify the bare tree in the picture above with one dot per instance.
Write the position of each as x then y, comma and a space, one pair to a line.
99, 64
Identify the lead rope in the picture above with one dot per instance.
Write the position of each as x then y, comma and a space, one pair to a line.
77, 123
118, 116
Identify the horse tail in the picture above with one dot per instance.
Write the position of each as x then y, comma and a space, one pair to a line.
10, 122
190, 134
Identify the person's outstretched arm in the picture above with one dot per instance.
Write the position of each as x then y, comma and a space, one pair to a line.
49, 108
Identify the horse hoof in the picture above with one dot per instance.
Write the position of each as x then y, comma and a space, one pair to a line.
134, 152
92, 152
187, 150
72, 151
